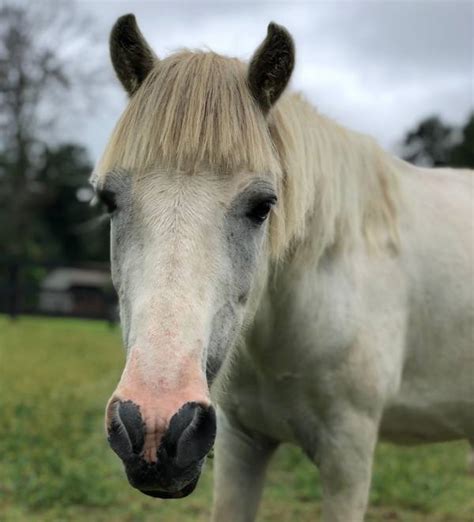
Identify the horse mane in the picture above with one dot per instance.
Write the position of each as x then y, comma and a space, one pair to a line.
194, 113
340, 186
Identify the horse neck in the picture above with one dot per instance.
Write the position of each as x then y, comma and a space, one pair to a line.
340, 187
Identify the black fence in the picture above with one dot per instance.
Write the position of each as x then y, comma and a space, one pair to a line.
57, 289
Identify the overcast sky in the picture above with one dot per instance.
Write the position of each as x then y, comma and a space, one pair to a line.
374, 66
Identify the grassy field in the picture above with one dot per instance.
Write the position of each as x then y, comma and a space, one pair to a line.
55, 378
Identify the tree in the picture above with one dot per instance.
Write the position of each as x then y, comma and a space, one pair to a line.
462, 153
42, 46
70, 228
429, 143
436, 144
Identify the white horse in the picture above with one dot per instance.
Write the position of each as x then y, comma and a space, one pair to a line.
325, 286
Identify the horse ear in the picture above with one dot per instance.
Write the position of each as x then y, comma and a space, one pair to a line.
271, 66
131, 56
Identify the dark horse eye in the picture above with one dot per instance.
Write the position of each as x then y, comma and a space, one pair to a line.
260, 210
107, 198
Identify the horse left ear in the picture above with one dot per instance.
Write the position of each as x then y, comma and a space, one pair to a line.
271, 66
131, 56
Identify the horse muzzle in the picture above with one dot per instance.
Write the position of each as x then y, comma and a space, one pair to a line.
175, 469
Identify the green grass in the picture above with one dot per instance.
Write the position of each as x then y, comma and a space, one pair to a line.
55, 378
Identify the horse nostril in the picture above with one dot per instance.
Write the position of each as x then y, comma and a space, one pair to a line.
129, 414
191, 434
127, 429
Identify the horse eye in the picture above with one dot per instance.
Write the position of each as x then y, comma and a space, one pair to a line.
107, 198
259, 211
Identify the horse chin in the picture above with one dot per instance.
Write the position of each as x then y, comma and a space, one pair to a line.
187, 490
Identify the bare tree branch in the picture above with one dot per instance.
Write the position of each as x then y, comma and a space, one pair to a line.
47, 71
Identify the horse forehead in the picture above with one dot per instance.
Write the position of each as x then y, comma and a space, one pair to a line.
171, 204
177, 191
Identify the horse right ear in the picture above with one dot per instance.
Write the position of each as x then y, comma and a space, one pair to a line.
131, 56
271, 66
